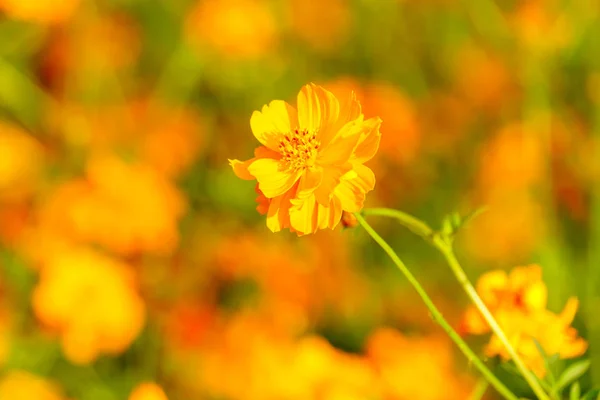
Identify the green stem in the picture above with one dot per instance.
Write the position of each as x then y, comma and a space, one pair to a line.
480, 389
446, 249
436, 314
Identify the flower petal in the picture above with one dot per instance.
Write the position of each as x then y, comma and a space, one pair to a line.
271, 180
240, 168
331, 179
263, 202
353, 187
368, 144
278, 214
310, 181
303, 215
349, 111
272, 122
342, 146
318, 111
308, 216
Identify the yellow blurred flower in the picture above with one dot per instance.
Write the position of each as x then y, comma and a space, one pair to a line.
127, 207
148, 391
518, 302
20, 163
20, 385
41, 11
237, 29
415, 368
310, 165
90, 299
322, 25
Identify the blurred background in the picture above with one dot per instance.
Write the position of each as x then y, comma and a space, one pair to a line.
130, 252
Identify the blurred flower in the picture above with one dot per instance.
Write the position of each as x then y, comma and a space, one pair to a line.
541, 25
171, 138
483, 79
322, 25
91, 301
98, 46
21, 158
5, 332
518, 302
510, 229
310, 165
415, 368
512, 160
512, 164
126, 207
19, 385
237, 29
41, 11
314, 369
166, 137
148, 391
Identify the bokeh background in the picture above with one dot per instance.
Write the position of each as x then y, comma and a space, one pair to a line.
130, 252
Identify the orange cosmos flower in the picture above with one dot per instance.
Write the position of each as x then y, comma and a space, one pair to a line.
310, 165
148, 391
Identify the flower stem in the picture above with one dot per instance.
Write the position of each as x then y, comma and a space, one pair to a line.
419, 227
436, 314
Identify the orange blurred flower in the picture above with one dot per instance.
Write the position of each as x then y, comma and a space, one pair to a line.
541, 25
415, 368
148, 391
247, 350
483, 78
93, 45
91, 300
310, 165
126, 207
514, 159
510, 228
166, 137
20, 385
41, 11
238, 29
518, 302
21, 158
322, 25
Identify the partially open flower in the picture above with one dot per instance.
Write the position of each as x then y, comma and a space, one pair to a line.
310, 165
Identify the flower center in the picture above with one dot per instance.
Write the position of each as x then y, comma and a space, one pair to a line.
299, 149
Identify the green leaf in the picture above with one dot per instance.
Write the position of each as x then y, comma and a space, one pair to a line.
571, 374
575, 392
474, 214
453, 222
593, 394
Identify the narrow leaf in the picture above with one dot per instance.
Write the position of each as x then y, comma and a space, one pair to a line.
592, 395
575, 393
573, 373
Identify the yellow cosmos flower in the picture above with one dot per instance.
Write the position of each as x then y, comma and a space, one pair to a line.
310, 167
518, 301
